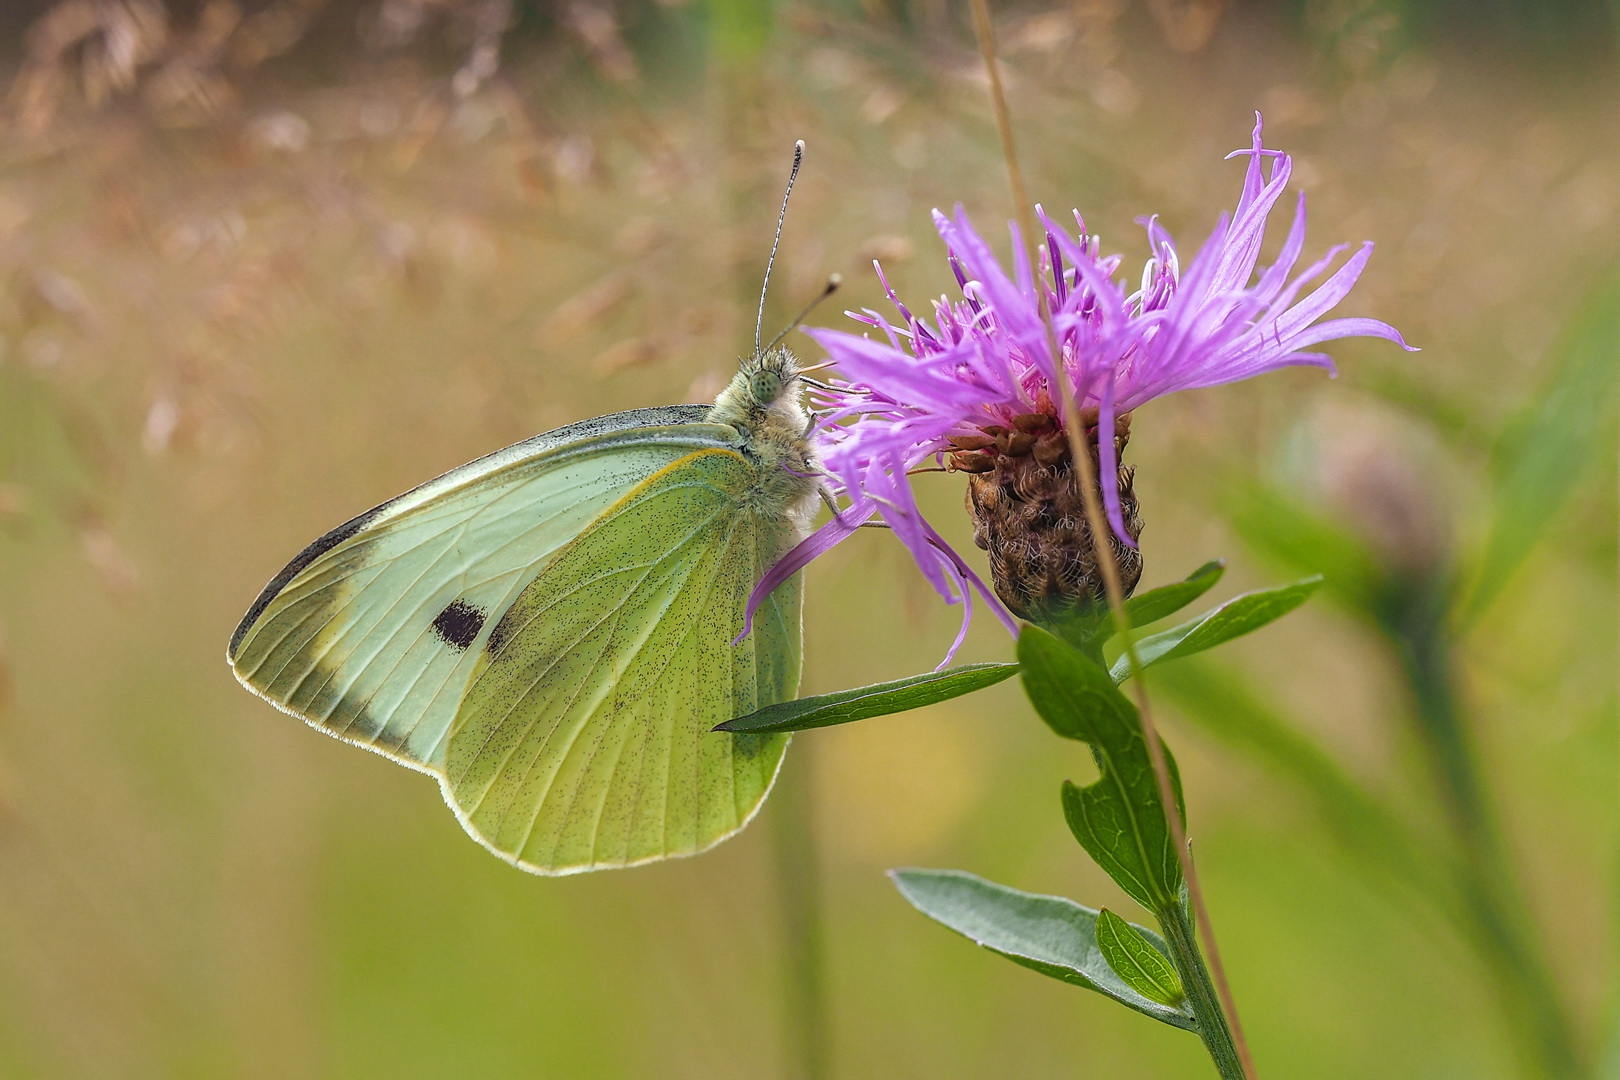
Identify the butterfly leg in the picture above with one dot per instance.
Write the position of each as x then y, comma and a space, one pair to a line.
832, 504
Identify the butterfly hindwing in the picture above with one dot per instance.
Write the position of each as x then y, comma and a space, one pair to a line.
374, 631
584, 739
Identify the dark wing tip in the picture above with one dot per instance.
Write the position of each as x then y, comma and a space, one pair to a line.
314, 551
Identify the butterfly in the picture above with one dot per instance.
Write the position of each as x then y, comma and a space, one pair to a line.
551, 630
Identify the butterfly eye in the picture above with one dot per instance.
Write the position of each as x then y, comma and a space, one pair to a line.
764, 386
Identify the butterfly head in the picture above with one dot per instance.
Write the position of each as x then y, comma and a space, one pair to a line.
764, 393
770, 374
769, 381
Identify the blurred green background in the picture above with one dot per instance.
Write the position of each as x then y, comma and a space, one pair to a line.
263, 267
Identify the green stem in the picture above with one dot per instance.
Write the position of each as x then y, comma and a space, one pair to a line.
1081, 627
1493, 901
798, 882
1206, 1006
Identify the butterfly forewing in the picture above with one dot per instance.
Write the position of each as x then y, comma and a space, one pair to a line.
584, 739
375, 630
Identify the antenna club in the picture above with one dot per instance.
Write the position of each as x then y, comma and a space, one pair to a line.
833, 281
793, 174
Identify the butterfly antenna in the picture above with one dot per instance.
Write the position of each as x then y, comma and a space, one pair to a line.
759, 321
833, 281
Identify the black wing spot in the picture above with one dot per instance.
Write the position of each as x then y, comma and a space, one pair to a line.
458, 625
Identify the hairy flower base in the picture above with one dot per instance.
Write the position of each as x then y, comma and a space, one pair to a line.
1029, 513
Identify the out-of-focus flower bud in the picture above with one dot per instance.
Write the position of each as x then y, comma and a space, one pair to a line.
1378, 476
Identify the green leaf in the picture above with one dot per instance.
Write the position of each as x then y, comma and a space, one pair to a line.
1118, 819
1049, 934
1166, 600
879, 699
1545, 454
1090, 622
1133, 957
1234, 618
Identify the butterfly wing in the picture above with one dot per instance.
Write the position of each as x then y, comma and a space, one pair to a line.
374, 631
584, 739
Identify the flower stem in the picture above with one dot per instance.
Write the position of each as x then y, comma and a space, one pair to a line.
798, 882
1494, 904
1206, 1005
1231, 1029
1102, 543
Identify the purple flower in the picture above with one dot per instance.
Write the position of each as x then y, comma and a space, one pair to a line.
925, 390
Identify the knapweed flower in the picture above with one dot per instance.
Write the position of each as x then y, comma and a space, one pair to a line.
977, 389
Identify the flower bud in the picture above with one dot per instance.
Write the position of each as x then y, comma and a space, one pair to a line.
1377, 475
1029, 513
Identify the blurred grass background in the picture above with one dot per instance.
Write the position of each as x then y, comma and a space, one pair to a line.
262, 267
